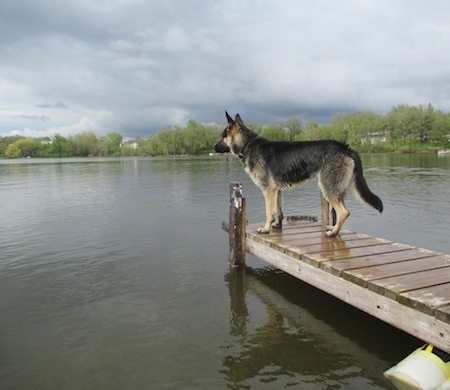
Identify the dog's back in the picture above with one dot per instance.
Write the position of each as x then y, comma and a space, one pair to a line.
290, 163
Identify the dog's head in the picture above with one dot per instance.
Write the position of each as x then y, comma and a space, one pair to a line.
231, 138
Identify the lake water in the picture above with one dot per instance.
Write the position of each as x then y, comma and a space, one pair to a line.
114, 275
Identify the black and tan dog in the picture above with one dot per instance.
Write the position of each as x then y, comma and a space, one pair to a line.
276, 166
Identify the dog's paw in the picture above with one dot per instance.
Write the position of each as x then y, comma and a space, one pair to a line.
262, 231
278, 225
330, 231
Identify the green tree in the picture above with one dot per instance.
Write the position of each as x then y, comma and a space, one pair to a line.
113, 143
311, 131
440, 129
5, 141
195, 138
275, 133
359, 127
60, 145
165, 142
410, 123
294, 127
28, 146
85, 144
13, 151
314, 132
200, 138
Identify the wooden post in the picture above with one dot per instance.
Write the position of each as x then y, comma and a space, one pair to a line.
236, 227
328, 213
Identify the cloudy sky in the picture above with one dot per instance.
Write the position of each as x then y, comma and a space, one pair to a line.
134, 66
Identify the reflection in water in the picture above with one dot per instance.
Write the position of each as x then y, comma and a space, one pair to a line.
239, 310
291, 346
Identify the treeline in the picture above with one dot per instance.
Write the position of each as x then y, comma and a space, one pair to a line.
404, 128
80, 145
195, 138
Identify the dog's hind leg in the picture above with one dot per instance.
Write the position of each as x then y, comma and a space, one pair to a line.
277, 220
342, 214
334, 180
270, 198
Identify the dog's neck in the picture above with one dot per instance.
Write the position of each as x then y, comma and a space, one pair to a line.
243, 151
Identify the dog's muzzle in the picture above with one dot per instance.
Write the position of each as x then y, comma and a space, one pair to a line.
221, 147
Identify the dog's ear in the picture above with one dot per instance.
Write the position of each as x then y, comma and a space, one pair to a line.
229, 119
238, 119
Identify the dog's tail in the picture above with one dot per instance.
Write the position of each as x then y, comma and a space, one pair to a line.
361, 187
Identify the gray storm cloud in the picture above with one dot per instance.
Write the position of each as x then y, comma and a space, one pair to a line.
136, 66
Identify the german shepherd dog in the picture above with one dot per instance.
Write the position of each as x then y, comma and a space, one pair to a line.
276, 166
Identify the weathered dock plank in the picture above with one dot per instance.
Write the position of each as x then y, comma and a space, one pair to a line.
443, 313
358, 264
397, 268
393, 286
430, 300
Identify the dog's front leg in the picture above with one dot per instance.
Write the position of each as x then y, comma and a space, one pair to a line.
277, 220
270, 200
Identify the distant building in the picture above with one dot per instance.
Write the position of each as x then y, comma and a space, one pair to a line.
375, 138
129, 144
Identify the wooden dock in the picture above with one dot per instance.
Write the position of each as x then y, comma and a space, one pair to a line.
404, 286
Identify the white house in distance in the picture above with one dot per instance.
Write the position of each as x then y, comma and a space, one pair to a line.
129, 143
